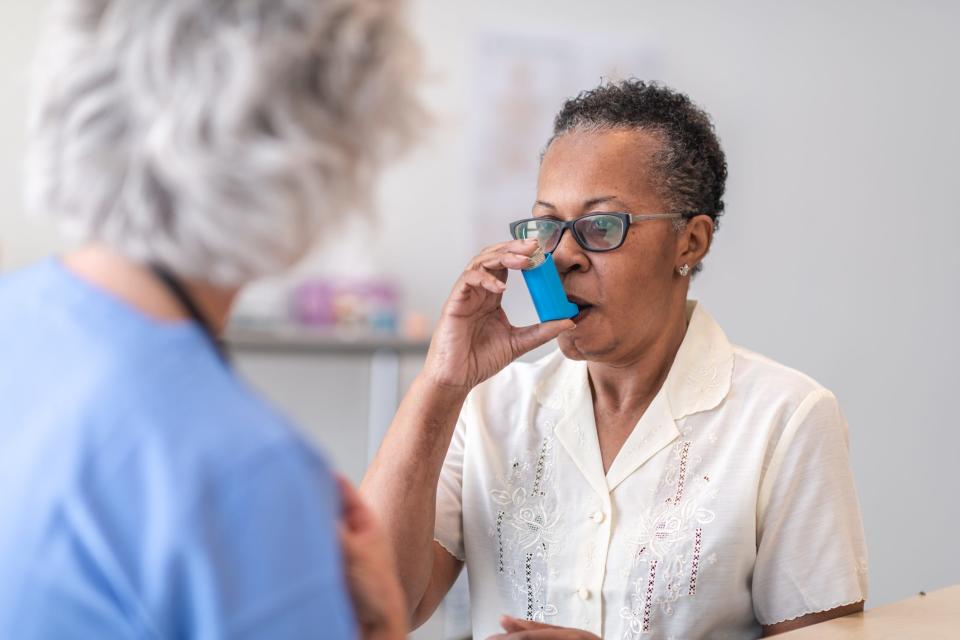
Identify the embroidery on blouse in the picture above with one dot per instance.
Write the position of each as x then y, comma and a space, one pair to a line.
500, 515
703, 378
668, 542
695, 564
682, 472
526, 531
641, 600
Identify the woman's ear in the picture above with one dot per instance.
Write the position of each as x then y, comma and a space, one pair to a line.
695, 240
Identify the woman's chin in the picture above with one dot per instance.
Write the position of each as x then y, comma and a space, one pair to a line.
578, 344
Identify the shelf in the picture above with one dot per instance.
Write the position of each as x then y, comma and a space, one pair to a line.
304, 340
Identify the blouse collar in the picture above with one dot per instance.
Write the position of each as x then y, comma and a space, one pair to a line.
698, 380
702, 371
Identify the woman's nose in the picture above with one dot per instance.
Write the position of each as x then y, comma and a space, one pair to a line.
569, 256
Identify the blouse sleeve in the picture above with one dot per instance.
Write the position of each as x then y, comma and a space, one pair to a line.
448, 527
811, 553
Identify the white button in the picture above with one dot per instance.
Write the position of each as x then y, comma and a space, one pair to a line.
584, 593
597, 516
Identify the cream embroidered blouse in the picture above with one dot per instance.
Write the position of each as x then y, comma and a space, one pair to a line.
731, 504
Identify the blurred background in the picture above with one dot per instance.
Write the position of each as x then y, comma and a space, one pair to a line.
836, 255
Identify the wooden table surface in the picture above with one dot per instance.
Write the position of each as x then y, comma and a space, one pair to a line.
934, 616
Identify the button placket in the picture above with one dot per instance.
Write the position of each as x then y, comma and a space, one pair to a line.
589, 590
602, 521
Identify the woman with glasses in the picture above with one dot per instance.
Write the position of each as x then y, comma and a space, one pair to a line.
649, 478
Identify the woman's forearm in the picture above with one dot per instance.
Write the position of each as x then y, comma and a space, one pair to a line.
473, 340
401, 483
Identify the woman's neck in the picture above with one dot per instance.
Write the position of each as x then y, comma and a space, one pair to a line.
134, 284
630, 384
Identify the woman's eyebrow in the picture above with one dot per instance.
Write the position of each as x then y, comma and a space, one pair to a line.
592, 202
589, 204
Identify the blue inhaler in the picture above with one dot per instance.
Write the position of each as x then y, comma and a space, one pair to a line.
545, 288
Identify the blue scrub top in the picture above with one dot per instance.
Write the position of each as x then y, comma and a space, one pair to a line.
145, 492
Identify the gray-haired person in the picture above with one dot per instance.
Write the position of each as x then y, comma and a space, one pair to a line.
190, 146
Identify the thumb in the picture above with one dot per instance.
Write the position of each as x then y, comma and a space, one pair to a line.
524, 339
513, 625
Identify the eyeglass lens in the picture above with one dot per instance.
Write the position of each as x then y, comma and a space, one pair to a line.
599, 232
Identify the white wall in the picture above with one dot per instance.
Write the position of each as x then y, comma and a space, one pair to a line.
836, 255
20, 241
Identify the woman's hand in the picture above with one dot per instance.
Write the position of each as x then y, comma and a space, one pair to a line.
371, 570
474, 340
517, 629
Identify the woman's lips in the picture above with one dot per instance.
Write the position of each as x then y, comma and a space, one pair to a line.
585, 310
582, 305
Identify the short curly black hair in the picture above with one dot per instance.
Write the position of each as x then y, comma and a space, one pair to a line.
691, 165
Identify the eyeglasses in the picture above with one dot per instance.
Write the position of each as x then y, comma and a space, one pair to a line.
594, 232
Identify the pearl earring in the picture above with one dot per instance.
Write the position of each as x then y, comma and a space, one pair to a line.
684, 270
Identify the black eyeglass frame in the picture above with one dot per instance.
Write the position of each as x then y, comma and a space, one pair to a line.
626, 218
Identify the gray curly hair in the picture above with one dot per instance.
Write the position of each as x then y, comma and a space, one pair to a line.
216, 137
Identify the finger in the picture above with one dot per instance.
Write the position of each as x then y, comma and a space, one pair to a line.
356, 515
350, 548
348, 542
518, 247
501, 261
511, 624
481, 280
536, 634
526, 247
525, 339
